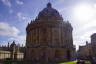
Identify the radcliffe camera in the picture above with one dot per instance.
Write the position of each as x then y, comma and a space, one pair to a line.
47, 32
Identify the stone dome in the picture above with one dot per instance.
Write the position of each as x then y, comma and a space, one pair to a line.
49, 13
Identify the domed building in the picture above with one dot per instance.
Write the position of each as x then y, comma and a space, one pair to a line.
49, 38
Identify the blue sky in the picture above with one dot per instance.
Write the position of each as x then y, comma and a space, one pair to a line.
15, 15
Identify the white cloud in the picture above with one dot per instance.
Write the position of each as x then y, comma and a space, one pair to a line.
59, 2
85, 26
84, 12
21, 39
8, 30
7, 3
3, 43
95, 5
19, 2
10, 11
21, 16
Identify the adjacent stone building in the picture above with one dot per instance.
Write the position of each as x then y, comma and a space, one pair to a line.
49, 38
88, 50
12, 52
84, 51
93, 44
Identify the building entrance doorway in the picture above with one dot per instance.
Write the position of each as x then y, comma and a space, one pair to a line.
68, 55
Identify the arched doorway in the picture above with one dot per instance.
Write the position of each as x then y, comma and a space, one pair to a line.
32, 55
68, 55
43, 56
57, 55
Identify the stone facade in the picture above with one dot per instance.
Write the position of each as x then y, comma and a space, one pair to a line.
12, 52
88, 50
93, 44
85, 51
49, 38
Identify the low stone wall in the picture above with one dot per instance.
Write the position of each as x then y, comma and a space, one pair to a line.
6, 55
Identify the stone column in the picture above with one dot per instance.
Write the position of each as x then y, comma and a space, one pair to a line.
49, 36
61, 36
52, 43
29, 37
38, 36
32, 37
59, 29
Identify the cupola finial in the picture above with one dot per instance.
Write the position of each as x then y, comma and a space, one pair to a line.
49, 5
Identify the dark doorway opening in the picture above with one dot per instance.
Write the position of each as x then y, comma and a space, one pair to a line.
68, 55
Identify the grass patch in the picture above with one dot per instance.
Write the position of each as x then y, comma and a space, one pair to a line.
68, 63
8, 62
87, 62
